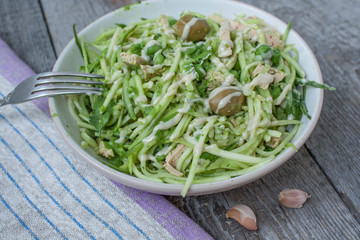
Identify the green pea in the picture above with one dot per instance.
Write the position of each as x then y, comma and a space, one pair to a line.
153, 49
156, 37
276, 55
190, 50
236, 74
172, 21
264, 51
159, 58
274, 91
135, 49
263, 48
199, 71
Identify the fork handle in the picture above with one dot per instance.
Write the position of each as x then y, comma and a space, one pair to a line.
5, 100
2, 102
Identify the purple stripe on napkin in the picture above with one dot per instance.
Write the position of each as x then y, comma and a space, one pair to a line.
172, 219
167, 215
15, 71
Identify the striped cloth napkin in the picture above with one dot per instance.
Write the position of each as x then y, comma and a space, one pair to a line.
47, 192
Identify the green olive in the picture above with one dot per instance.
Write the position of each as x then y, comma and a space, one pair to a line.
196, 32
226, 101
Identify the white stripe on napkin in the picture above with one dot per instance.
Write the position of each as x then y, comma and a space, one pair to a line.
47, 192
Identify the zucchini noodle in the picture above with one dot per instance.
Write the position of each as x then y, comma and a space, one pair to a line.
156, 118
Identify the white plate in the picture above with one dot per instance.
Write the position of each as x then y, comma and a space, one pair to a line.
70, 60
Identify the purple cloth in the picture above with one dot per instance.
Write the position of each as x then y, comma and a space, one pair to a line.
172, 219
15, 71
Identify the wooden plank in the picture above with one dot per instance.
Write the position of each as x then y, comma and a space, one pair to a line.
23, 27
61, 15
323, 216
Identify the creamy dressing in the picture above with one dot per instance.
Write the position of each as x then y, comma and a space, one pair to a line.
163, 126
125, 70
148, 84
264, 123
206, 57
174, 86
246, 29
198, 149
212, 147
267, 55
245, 135
229, 80
218, 90
269, 99
183, 49
144, 157
165, 24
170, 93
226, 45
123, 134
144, 50
185, 108
172, 90
283, 94
187, 27
187, 79
197, 122
225, 101
115, 75
263, 79
169, 30
155, 55
274, 123
219, 65
254, 121
141, 99
168, 76
225, 48
156, 100
164, 151
207, 105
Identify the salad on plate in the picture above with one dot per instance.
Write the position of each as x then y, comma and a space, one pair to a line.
192, 100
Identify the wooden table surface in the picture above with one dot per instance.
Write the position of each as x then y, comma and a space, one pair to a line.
327, 166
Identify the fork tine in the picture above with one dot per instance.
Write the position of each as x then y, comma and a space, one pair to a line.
67, 74
67, 80
64, 87
52, 93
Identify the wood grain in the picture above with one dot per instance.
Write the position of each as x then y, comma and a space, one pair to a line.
23, 28
77, 12
328, 167
323, 216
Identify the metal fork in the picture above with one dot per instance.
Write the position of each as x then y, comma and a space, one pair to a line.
52, 84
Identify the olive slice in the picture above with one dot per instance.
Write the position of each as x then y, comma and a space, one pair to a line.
226, 101
191, 28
